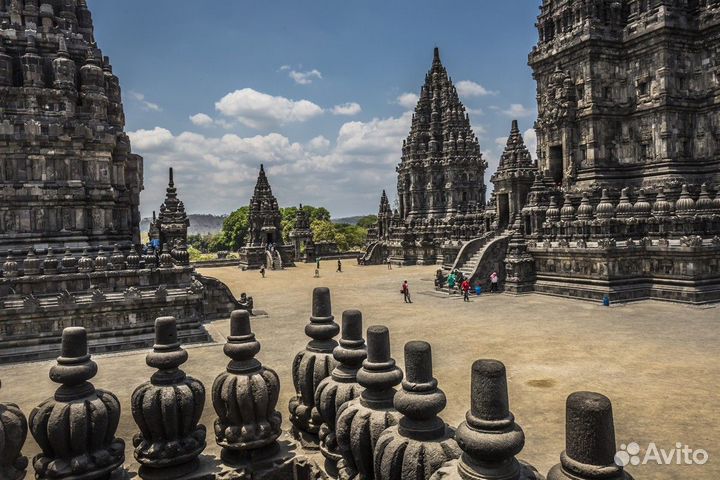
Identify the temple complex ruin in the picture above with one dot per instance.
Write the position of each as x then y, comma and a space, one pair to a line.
265, 246
70, 186
623, 201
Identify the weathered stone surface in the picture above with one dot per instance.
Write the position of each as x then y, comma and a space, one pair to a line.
245, 397
421, 442
311, 366
167, 410
590, 441
360, 422
76, 428
341, 386
13, 432
489, 437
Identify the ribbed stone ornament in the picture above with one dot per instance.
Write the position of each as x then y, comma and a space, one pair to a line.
311, 366
361, 421
421, 442
489, 437
245, 397
13, 432
590, 447
76, 428
167, 410
341, 386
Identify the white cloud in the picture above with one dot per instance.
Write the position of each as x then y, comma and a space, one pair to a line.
407, 100
260, 110
501, 142
346, 175
468, 88
530, 138
146, 105
319, 144
201, 120
348, 109
516, 110
304, 78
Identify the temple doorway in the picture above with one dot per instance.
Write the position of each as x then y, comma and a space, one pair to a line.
556, 164
503, 204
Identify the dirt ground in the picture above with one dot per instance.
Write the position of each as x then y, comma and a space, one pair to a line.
658, 362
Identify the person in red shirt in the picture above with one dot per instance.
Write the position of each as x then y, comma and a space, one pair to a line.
466, 290
406, 292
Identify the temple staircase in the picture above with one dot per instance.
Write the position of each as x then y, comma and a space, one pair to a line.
373, 255
481, 256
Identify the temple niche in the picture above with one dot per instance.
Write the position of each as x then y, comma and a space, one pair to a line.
69, 195
623, 201
265, 245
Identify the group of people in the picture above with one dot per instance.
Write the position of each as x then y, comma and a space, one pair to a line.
457, 282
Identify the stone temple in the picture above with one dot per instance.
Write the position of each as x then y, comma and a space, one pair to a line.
265, 245
623, 200
70, 186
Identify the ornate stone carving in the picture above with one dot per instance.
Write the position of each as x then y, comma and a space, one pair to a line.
341, 386
31, 264
10, 267
101, 261
69, 264
117, 259
161, 292
590, 441
66, 299
311, 366
50, 263
167, 410
132, 294
76, 428
489, 436
196, 287
133, 259
361, 421
13, 432
97, 295
245, 397
421, 442
31, 303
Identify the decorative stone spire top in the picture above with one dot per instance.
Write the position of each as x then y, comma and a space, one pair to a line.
516, 154
172, 222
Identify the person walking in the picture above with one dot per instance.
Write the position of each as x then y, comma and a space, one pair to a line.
389, 263
317, 273
466, 290
339, 269
405, 290
494, 282
262, 271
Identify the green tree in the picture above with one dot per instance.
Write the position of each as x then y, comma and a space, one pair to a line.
367, 221
234, 231
323, 231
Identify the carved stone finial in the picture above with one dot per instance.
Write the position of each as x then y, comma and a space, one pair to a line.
312, 366
341, 386
361, 421
489, 437
589, 441
245, 397
76, 428
170, 439
13, 432
421, 442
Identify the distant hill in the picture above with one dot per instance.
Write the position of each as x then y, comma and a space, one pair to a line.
201, 224
348, 220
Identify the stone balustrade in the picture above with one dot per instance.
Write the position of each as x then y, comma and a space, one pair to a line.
373, 429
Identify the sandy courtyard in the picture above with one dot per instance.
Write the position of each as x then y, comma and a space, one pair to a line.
658, 362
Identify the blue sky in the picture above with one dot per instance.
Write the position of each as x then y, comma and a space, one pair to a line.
319, 91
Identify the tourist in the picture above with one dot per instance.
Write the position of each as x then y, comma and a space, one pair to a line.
405, 290
317, 273
451, 281
389, 263
466, 290
339, 269
262, 271
494, 282
317, 263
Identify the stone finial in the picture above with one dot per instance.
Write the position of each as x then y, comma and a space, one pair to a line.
245, 397
589, 441
421, 442
10, 267
13, 432
489, 437
85, 263
133, 259
170, 439
50, 262
341, 386
312, 366
361, 421
69, 263
76, 427
31, 264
